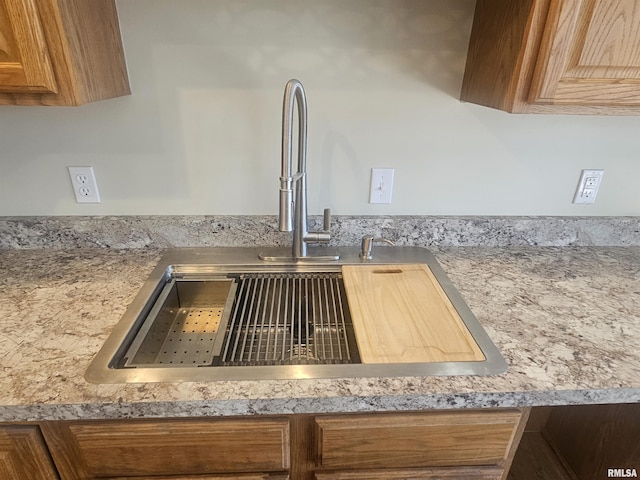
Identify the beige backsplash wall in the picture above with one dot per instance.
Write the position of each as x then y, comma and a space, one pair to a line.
201, 132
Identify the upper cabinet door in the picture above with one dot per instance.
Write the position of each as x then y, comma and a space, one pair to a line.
25, 65
60, 52
555, 56
590, 54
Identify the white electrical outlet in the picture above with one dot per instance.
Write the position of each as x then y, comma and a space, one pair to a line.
588, 186
84, 184
381, 185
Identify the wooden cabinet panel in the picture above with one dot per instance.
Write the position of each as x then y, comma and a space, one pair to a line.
60, 52
590, 54
536, 460
591, 439
466, 445
24, 58
415, 440
457, 473
555, 56
85, 450
23, 454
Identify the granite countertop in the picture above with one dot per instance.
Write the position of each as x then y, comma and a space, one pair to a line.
566, 319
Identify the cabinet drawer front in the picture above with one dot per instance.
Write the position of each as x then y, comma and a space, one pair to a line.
169, 447
415, 440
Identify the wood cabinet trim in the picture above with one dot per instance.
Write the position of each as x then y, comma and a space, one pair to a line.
455, 473
233, 476
554, 51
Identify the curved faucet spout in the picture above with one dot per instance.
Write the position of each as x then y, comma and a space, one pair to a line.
293, 92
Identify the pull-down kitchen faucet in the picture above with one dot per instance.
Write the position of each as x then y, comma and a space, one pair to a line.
293, 209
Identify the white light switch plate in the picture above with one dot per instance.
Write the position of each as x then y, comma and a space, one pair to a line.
381, 185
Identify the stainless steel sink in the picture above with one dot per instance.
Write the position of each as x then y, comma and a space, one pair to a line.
223, 314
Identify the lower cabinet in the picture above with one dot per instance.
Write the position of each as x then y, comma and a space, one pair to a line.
466, 445
24, 455
428, 445
570, 442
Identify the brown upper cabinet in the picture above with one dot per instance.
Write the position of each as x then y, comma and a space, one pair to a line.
555, 56
60, 52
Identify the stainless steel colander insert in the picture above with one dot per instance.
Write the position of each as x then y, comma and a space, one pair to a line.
247, 320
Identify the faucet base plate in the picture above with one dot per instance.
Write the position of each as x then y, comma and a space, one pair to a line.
316, 254
309, 259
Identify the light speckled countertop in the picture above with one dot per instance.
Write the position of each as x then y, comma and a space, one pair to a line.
566, 319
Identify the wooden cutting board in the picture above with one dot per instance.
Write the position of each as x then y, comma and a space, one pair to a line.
401, 315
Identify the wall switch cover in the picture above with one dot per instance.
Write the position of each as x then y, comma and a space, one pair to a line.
381, 185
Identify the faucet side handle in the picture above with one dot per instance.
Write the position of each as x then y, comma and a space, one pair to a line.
327, 220
324, 236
